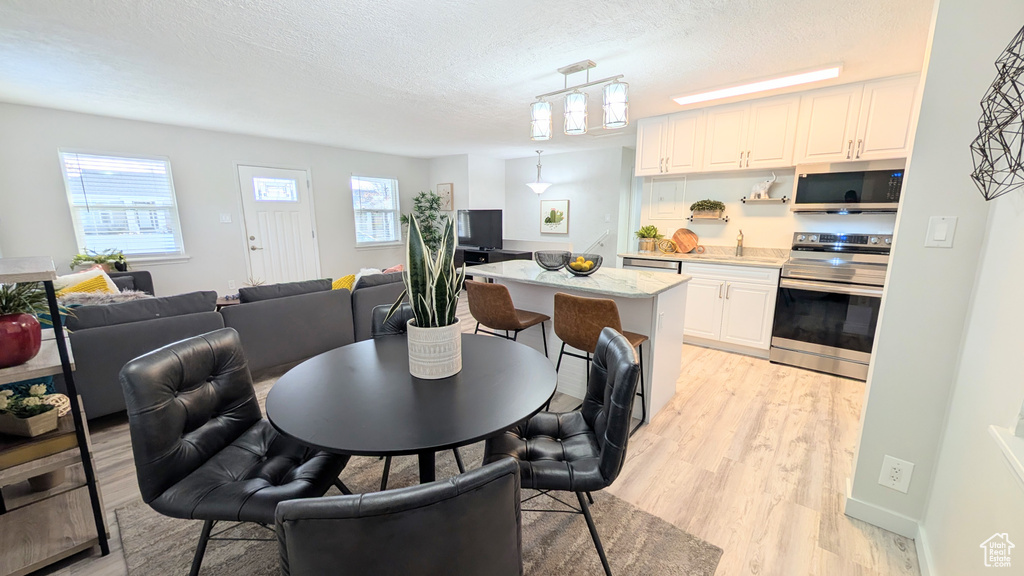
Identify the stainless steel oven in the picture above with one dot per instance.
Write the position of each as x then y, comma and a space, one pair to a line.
829, 298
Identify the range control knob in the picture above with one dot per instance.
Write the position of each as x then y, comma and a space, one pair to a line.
802, 237
888, 240
873, 240
814, 238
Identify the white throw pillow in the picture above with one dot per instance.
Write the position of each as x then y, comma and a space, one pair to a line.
365, 272
62, 282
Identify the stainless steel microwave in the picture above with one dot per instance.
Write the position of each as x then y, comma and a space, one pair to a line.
848, 192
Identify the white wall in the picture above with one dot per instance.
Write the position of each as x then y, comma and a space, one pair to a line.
486, 183
36, 219
453, 169
925, 310
763, 225
593, 183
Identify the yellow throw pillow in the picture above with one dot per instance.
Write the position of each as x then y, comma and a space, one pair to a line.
345, 282
94, 284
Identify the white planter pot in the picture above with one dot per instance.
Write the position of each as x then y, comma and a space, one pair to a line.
435, 353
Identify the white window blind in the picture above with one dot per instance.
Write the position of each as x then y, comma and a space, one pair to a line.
375, 201
122, 203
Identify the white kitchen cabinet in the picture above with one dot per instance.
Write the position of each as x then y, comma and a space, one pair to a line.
868, 121
704, 301
886, 110
731, 305
758, 134
748, 313
671, 144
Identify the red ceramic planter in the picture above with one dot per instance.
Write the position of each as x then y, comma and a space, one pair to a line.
20, 337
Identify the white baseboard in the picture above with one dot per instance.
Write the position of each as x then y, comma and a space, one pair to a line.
726, 346
924, 553
878, 516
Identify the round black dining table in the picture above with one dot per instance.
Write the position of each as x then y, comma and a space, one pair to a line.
361, 400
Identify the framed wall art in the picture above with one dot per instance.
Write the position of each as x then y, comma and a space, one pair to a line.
445, 192
554, 216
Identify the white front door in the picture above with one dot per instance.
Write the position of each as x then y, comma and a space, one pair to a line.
279, 235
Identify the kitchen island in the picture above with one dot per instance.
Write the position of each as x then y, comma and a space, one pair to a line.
650, 303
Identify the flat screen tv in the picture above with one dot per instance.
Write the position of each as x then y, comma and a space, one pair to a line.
479, 228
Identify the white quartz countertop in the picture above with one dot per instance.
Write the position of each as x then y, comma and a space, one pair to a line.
711, 258
605, 281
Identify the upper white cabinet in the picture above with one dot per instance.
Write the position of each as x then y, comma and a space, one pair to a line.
869, 121
670, 144
756, 134
863, 121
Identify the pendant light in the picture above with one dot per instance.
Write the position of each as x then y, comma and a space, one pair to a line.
575, 113
538, 187
616, 105
540, 120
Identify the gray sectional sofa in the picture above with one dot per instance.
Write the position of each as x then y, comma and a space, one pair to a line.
279, 324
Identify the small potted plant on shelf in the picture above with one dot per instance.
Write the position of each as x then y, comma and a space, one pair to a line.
648, 235
707, 209
20, 332
109, 260
433, 284
27, 416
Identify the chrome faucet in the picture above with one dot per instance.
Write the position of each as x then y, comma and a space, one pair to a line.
739, 244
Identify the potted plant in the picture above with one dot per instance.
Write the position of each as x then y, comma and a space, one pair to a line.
20, 332
648, 235
707, 209
108, 259
27, 416
427, 209
433, 284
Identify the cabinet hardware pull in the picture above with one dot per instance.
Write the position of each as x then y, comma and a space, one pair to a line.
727, 288
748, 158
720, 290
849, 149
741, 159
860, 147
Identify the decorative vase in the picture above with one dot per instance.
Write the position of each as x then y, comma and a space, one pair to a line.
20, 338
647, 244
28, 427
435, 353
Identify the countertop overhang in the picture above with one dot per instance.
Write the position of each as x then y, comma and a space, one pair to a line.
604, 281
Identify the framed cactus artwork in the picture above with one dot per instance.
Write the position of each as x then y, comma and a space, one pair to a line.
554, 216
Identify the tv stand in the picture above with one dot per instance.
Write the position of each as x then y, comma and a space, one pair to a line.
477, 256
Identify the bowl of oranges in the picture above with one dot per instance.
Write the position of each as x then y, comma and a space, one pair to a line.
583, 264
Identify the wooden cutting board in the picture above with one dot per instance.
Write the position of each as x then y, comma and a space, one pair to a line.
685, 240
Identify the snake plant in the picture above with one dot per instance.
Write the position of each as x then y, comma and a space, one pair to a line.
432, 281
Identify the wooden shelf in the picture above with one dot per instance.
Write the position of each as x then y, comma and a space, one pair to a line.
709, 220
50, 530
21, 494
782, 200
46, 363
34, 454
36, 269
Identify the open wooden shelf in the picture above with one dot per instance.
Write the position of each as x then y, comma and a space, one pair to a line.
49, 530
709, 220
21, 494
782, 200
30, 455
35, 269
46, 363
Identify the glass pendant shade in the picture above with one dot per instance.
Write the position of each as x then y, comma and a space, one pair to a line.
576, 114
540, 121
538, 187
616, 105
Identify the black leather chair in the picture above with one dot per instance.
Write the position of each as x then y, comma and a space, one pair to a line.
580, 451
468, 525
382, 326
202, 448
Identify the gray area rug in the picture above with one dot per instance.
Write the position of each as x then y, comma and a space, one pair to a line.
636, 542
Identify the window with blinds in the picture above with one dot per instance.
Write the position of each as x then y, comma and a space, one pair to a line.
375, 201
122, 203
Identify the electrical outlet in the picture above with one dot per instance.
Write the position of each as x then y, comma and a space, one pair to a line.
896, 473
231, 284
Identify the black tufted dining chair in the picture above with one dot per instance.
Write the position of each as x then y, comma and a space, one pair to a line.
202, 448
380, 326
580, 451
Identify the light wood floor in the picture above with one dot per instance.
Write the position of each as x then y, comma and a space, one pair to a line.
750, 456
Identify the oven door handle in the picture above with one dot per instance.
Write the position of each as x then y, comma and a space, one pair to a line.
833, 288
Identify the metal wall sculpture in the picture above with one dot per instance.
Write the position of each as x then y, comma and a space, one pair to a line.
999, 148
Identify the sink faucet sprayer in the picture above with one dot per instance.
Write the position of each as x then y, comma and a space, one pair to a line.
739, 244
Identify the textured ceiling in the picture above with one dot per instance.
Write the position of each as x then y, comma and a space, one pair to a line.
423, 78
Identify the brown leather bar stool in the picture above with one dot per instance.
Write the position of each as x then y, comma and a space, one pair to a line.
491, 305
578, 323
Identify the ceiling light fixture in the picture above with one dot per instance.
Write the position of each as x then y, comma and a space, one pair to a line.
616, 104
762, 86
538, 187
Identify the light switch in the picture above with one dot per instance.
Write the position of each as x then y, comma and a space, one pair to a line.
940, 232
225, 217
